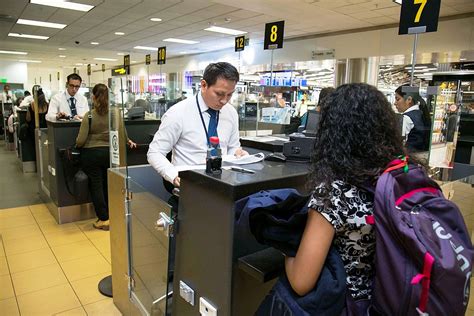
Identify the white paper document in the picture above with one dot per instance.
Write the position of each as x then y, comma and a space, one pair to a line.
244, 160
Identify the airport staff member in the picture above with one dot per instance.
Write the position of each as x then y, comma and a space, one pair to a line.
7, 95
185, 126
68, 103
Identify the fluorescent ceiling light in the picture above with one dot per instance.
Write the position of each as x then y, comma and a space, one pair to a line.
62, 56
119, 33
155, 19
40, 23
146, 48
12, 52
177, 40
60, 48
182, 52
224, 30
105, 59
79, 64
64, 5
30, 61
133, 61
94, 43
28, 36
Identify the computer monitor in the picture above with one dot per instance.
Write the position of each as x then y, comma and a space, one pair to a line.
312, 123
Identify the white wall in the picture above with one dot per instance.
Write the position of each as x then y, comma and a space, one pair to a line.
14, 72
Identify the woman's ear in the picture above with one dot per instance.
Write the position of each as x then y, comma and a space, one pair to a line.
409, 99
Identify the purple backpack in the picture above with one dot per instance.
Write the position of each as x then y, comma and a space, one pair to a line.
423, 252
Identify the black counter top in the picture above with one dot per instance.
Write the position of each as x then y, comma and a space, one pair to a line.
267, 175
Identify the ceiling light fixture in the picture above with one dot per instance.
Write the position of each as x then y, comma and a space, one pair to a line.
146, 48
28, 36
62, 56
121, 54
30, 61
155, 19
94, 43
79, 64
12, 52
181, 41
64, 5
105, 59
60, 48
42, 24
224, 30
119, 33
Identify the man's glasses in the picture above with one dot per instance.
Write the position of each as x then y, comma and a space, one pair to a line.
73, 86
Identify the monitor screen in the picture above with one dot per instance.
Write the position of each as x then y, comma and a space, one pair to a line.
312, 121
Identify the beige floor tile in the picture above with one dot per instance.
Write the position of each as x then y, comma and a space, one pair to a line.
38, 279
85, 267
65, 237
80, 249
4, 266
38, 208
103, 244
28, 231
104, 307
51, 227
86, 289
6, 287
79, 311
43, 217
91, 232
9, 307
31, 260
2, 250
16, 211
16, 221
16, 246
34, 303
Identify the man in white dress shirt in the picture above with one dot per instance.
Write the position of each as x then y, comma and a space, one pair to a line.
7, 95
68, 104
184, 127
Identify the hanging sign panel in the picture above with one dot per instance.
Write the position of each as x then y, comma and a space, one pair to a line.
239, 43
274, 35
89, 70
103, 67
58, 75
148, 59
419, 16
126, 63
162, 55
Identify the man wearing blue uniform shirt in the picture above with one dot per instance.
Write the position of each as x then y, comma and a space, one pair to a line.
186, 127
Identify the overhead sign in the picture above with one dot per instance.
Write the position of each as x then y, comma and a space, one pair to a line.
419, 16
103, 67
274, 33
58, 75
148, 59
239, 43
74, 70
89, 70
50, 78
162, 55
126, 63
120, 71
323, 54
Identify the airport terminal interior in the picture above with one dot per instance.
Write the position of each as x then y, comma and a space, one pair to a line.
58, 258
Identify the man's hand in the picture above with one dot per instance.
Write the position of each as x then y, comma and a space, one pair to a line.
60, 115
240, 152
176, 182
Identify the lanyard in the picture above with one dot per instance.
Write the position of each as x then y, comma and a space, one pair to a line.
202, 120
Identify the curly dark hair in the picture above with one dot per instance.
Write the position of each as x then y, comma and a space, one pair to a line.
358, 136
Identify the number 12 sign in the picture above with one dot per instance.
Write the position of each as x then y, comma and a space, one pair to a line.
419, 16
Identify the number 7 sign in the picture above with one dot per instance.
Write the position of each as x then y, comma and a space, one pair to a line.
419, 16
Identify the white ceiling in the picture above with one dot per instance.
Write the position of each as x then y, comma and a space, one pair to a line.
184, 19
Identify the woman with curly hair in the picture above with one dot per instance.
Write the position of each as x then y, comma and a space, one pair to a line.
358, 137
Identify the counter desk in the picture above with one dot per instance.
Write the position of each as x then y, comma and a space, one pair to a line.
209, 248
25, 147
64, 206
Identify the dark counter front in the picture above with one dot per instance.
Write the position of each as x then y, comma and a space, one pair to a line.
208, 245
63, 134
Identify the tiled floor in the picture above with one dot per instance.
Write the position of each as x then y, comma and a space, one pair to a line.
50, 269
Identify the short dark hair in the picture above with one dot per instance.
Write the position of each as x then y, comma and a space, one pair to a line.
26, 93
74, 77
218, 70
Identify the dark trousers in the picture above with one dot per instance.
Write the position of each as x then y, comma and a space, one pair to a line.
94, 162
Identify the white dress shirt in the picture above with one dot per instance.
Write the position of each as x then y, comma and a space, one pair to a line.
8, 97
60, 103
182, 132
407, 122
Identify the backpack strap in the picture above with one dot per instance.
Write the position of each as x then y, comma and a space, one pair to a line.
425, 279
401, 162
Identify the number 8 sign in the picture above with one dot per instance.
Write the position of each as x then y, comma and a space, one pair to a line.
419, 16
274, 35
